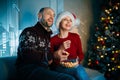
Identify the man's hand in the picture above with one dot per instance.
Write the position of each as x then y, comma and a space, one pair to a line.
64, 56
61, 55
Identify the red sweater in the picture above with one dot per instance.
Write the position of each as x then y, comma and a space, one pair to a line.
75, 46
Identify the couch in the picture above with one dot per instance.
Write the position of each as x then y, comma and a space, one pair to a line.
8, 72
7, 68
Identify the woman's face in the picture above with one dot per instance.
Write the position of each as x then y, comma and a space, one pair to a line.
66, 23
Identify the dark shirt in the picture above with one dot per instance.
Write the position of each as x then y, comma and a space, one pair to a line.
34, 46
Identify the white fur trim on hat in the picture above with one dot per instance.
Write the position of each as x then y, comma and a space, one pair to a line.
77, 20
62, 15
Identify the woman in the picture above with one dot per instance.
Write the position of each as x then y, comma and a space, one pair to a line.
68, 44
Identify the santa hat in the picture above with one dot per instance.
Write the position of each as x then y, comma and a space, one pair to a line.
75, 21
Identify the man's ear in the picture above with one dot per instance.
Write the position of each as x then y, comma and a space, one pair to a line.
39, 15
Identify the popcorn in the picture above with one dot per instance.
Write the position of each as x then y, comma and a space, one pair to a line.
69, 64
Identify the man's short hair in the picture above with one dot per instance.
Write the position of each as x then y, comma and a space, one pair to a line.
42, 9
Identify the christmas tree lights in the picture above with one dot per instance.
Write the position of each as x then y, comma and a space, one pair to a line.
104, 48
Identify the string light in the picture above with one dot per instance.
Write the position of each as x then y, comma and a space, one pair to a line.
111, 22
110, 9
109, 69
98, 47
117, 34
116, 51
108, 17
102, 18
107, 11
89, 60
104, 46
102, 56
101, 39
113, 68
116, 7
113, 51
113, 46
106, 27
105, 38
89, 63
118, 67
108, 64
106, 54
112, 59
112, 17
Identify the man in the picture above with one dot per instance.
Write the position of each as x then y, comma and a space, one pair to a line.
34, 57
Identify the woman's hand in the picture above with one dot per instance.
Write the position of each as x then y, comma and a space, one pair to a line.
65, 45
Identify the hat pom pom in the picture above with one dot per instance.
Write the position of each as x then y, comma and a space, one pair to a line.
77, 22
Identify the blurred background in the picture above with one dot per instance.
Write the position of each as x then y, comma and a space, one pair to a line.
15, 15
99, 30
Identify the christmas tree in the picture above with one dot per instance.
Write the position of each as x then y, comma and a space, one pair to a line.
104, 47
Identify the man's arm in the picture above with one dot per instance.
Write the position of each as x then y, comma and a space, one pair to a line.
61, 54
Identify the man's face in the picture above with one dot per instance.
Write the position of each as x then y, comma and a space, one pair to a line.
48, 17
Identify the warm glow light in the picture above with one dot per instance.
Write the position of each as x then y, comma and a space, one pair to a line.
105, 53
117, 34
111, 22
113, 59
110, 9
118, 66
116, 7
116, 51
113, 51
106, 28
113, 68
108, 17
98, 47
101, 39
109, 69
104, 46
89, 60
112, 17
107, 11
89, 63
102, 18
113, 46
108, 64
98, 38
102, 56
105, 38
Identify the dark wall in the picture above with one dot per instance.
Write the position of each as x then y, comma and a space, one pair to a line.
97, 6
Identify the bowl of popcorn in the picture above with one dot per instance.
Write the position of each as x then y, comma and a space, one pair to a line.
69, 63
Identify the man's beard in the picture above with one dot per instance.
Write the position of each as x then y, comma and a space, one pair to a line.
44, 23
